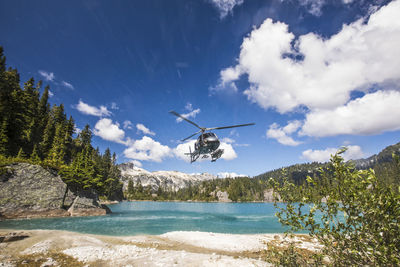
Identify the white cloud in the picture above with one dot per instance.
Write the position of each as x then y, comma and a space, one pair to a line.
191, 114
314, 7
147, 149
48, 76
68, 85
230, 175
226, 6
91, 110
189, 106
228, 140
141, 128
77, 130
281, 134
318, 74
114, 105
229, 152
347, 1
51, 94
181, 149
127, 124
371, 114
352, 152
109, 131
137, 163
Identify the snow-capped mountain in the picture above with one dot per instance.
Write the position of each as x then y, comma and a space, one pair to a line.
167, 179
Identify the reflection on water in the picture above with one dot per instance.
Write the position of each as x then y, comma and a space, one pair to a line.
132, 218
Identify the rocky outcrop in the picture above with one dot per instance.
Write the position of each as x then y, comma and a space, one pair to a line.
173, 180
86, 204
223, 196
30, 191
269, 195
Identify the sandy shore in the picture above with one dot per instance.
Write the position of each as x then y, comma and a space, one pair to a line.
62, 248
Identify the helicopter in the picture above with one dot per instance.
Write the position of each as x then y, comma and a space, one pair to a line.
207, 143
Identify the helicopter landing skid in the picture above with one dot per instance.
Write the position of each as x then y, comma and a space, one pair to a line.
216, 154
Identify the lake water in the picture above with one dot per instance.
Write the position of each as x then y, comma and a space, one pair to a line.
154, 218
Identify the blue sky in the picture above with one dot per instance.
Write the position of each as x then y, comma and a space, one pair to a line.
314, 75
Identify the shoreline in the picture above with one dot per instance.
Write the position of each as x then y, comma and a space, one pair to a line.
180, 248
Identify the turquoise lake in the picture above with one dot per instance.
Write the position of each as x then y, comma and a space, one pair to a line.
154, 218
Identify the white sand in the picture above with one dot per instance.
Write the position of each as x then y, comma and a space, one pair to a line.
170, 249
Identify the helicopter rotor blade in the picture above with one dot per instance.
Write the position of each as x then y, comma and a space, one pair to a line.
191, 136
227, 127
183, 118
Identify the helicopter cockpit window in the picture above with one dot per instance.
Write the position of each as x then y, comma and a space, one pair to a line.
209, 135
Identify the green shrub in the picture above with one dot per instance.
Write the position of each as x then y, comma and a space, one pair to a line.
351, 214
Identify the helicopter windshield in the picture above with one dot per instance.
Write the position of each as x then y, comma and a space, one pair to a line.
209, 135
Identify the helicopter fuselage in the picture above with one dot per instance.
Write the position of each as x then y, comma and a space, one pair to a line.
206, 143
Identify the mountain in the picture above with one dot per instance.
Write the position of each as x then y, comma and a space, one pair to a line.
385, 156
167, 179
382, 163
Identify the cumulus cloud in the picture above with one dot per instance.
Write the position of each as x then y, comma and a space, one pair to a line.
191, 114
314, 7
147, 149
137, 163
109, 131
229, 152
67, 84
281, 134
114, 105
226, 6
141, 128
318, 74
352, 152
127, 124
371, 114
230, 175
180, 150
48, 76
189, 106
84, 108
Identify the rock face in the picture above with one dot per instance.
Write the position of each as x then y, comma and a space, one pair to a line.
223, 196
29, 191
269, 195
167, 179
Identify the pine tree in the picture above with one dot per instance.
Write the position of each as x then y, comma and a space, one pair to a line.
68, 142
4, 138
35, 156
85, 136
48, 137
21, 154
56, 155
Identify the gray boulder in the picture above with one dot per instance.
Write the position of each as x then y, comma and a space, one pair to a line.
30, 191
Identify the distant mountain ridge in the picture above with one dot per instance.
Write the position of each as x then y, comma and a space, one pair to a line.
167, 179
382, 163
384, 156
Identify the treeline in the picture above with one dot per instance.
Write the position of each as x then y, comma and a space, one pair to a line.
239, 189
32, 130
385, 166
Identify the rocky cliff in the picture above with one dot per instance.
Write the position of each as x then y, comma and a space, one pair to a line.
29, 191
167, 179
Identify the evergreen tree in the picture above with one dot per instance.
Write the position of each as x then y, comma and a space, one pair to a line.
4, 138
21, 154
57, 152
35, 156
85, 136
48, 137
